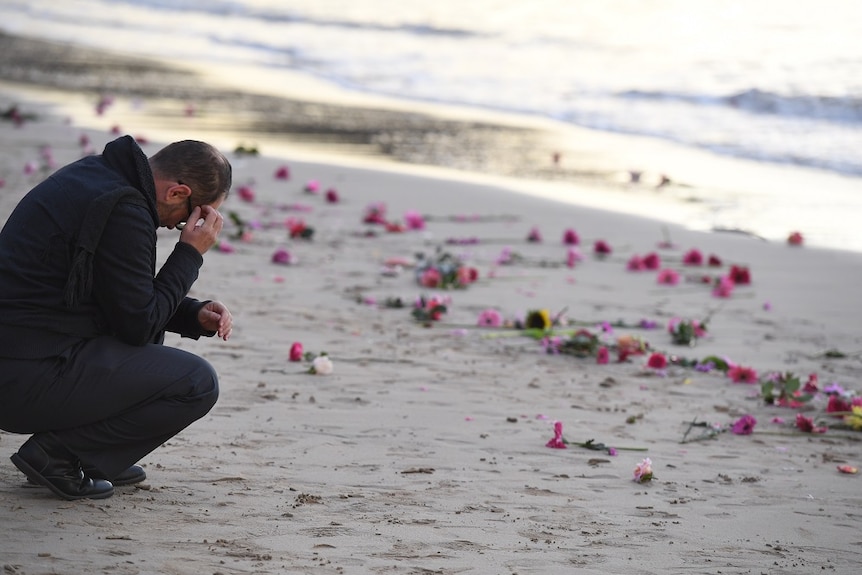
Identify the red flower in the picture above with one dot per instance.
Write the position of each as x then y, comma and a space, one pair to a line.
744, 425
602, 248
282, 173
430, 278
811, 385
741, 374
652, 261
739, 275
693, 258
332, 196
375, 214
837, 404
714, 261
296, 352
795, 239
657, 361
571, 238
806, 424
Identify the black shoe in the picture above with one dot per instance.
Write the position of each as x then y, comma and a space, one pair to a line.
132, 475
44, 461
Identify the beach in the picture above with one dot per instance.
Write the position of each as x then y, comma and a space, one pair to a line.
426, 450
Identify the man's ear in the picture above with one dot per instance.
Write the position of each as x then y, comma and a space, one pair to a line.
179, 192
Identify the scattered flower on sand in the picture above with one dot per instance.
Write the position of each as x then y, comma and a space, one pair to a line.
723, 287
430, 309
668, 276
282, 173
652, 261
686, 332
414, 221
332, 196
246, 193
225, 247
535, 236
795, 239
321, 365
602, 248
557, 442
538, 319
444, 271
657, 361
806, 424
311, 187
643, 471
296, 353
283, 257
740, 374
692, 257
848, 469
602, 355
573, 256
854, 418
740, 275
571, 238
490, 318
297, 228
744, 425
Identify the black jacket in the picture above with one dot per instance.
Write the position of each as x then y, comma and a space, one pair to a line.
109, 202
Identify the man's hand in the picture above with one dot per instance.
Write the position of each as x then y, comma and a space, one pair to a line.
214, 316
203, 233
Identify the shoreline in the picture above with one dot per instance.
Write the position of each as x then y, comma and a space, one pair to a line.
706, 192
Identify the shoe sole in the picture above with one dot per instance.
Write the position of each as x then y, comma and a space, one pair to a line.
37, 477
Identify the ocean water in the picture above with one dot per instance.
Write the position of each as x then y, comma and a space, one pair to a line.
777, 83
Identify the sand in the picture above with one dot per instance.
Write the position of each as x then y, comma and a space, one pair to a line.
425, 450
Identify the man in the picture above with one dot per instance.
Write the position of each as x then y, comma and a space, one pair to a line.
83, 313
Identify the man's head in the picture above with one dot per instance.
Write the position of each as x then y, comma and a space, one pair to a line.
189, 174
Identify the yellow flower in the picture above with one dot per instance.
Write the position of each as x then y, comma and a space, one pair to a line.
540, 319
854, 420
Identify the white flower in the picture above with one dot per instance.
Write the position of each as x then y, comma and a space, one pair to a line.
321, 365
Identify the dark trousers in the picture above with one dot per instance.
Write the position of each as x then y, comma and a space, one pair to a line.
107, 402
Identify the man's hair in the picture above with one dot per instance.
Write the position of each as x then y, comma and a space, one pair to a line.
198, 165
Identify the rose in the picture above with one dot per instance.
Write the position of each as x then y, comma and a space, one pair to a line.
321, 365
296, 351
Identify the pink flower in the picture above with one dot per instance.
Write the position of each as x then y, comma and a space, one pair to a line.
652, 261
467, 275
30, 167
312, 187
282, 173
430, 278
668, 276
332, 196
602, 356
414, 221
635, 264
602, 248
490, 318
714, 261
296, 351
246, 193
657, 361
557, 442
692, 258
282, 256
571, 238
744, 425
724, 287
225, 247
740, 374
643, 471
535, 236
573, 256
811, 386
